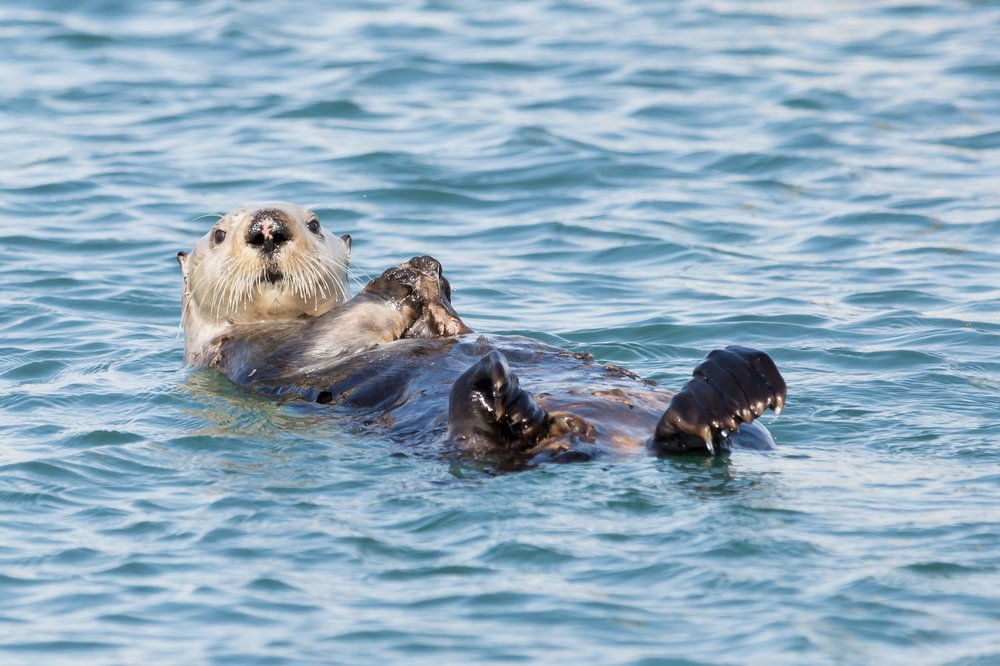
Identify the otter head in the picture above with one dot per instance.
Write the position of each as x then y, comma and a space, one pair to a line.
269, 262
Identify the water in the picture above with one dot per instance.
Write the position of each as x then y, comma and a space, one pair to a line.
642, 180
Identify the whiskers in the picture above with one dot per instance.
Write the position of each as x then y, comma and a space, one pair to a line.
316, 279
216, 216
358, 276
233, 284
361, 282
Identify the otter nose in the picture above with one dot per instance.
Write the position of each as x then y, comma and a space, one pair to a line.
268, 234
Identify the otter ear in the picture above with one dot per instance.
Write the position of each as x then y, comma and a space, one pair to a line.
347, 243
182, 259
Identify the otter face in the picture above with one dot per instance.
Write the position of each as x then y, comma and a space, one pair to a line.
263, 263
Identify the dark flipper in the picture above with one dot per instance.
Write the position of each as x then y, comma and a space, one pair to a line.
489, 412
732, 386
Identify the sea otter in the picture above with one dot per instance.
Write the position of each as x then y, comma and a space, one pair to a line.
265, 303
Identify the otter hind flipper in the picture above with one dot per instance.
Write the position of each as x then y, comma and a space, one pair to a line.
732, 386
488, 411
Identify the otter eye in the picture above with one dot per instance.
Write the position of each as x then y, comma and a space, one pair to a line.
220, 236
313, 225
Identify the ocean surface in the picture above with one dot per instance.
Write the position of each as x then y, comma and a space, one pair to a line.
643, 180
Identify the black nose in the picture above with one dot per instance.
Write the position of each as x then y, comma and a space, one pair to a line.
268, 234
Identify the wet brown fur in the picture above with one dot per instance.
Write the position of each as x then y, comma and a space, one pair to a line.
392, 357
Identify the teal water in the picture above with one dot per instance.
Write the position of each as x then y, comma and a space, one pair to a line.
642, 180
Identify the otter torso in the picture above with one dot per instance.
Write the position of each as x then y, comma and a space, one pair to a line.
403, 388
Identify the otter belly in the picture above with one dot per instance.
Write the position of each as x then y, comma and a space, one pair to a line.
403, 388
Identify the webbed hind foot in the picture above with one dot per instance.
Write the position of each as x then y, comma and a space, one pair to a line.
489, 412
730, 387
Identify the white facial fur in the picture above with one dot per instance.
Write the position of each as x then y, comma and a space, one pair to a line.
228, 280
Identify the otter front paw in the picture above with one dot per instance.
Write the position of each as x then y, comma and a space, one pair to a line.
437, 317
731, 386
419, 288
